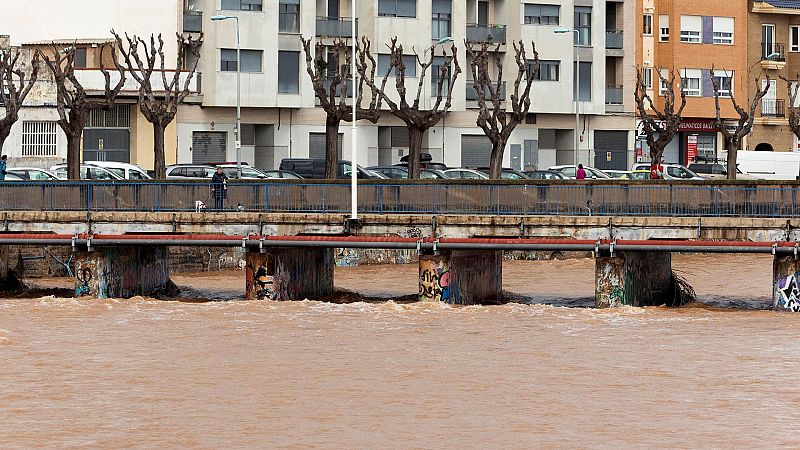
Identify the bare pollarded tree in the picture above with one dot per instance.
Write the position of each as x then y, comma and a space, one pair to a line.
493, 118
744, 124
331, 86
661, 126
16, 81
159, 95
794, 110
72, 101
416, 118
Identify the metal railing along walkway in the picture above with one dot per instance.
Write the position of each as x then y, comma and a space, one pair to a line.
679, 199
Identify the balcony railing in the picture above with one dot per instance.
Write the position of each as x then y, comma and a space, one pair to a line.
472, 94
773, 108
486, 33
335, 27
614, 95
192, 22
614, 39
773, 52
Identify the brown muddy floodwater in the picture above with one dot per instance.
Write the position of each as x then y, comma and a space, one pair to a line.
147, 373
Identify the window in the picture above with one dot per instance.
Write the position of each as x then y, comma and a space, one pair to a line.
38, 138
586, 82
289, 16
410, 61
648, 77
288, 72
541, 14
397, 8
647, 24
690, 29
583, 23
723, 30
794, 38
251, 60
690, 82
80, 59
440, 23
548, 70
725, 83
243, 5
663, 84
436, 71
663, 28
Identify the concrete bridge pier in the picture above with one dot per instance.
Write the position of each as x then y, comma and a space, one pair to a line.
785, 279
289, 274
123, 272
634, 279
462, 277
9, 279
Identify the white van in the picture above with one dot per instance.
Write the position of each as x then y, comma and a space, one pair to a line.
123, 170
769, 165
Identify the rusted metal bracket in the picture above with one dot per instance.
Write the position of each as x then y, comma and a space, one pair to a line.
352, 225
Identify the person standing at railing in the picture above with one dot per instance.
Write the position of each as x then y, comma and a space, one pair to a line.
219, 188
3, 164
657, 170
580, 174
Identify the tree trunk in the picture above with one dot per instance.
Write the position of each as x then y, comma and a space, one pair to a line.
496, 159
4, 132
74, 154
332, 147
159, 158
733, 152
414, 151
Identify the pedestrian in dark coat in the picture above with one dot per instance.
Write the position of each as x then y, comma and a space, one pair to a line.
219, 188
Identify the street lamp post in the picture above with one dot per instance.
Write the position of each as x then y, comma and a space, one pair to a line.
353, 128
238, 130
577, 94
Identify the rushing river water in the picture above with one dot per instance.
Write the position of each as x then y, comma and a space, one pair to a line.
147, 373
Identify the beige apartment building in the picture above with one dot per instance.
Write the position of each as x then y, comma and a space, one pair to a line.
692, 37
774, 51
279, 114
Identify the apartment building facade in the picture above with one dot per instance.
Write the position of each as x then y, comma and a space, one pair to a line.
121, 134
692, 37
773, 51
279, 114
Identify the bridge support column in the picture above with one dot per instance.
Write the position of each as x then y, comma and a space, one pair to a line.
289, 274
9, 279
633, 278
123, 272
785, 283
462, 277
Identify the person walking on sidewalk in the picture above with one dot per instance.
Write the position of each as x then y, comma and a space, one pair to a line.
3, 165
580, 174
219, 188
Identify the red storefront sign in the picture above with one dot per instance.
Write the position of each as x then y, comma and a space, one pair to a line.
691, 148
698, 125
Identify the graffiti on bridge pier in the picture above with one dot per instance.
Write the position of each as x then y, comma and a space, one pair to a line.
434, 281
788, 294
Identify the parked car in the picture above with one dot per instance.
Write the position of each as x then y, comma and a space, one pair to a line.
315, 168
123, 170
190, 172
639, 175
618, 174
284, 174
544, 175
671, 171
464, 174
717, 171
11, 176
425, 162
591, 173
507, 173
248, 173
32, 174
88, 172
393, 172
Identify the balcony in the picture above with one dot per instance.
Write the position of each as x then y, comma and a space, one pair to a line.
614, 95
773, 56
773, 109
480, 33
335, 27
192, 22
614, 39
472, 94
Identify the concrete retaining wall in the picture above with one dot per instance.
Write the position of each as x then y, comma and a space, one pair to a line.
635, 279
289, 274
122, 272
462, 277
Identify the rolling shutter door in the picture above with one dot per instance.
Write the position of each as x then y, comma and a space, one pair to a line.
316, 145
615, 143
475, 151
209, 146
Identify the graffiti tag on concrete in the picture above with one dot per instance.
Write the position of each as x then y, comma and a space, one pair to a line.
788, 293
434, 281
